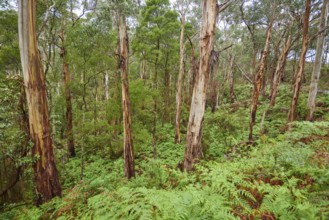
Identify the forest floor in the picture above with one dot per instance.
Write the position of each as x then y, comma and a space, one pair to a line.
282, 175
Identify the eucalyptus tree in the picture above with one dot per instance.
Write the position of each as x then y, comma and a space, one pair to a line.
318, 60
123, 63
259, 77
193, 150
301, 64
45, 171
182, 7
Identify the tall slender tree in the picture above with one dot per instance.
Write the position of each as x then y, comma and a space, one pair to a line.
129, 165
68, 97
279, 70
180, 75
259, 77
318, 60
193, 150
301, 64
45, 172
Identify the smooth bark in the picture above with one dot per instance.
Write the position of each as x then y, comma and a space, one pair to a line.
107, 93
193, 150
45, 172
179, 82
318, 60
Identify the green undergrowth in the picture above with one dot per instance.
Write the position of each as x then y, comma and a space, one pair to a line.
283, 175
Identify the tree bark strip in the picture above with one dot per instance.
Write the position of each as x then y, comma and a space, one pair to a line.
45, 172
213, 83
279, 70
129, 164
193, 149
258, 80
179, 82
301, 64
193, 72
68, 98
155, 107
231, 80
318, 60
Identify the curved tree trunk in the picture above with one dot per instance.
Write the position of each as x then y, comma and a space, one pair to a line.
301, 64
193, 149
129, 164
179, 82
318, 60
45, 172
258, 81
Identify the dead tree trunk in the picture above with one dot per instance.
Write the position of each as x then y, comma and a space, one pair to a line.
45, 172
68, 99
179, 82
301, 64
258, 80
193, 149
128, 149
318, 60
279, 71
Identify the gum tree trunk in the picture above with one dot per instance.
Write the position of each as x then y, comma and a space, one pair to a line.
301, 64
258, 81
193, 149
45, 172
318, 60
231, 80
179, 82
107, 94
68, 99
193, 72
129, 164
279, 70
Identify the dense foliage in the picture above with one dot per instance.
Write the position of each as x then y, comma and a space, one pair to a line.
282, 174
285, 175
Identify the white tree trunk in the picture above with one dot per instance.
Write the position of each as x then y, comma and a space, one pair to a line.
193, 149
318, 60
179, 82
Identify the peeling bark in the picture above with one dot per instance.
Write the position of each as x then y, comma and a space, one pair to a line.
258, 81
301, 64
45, 172
129, 164
193, 150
